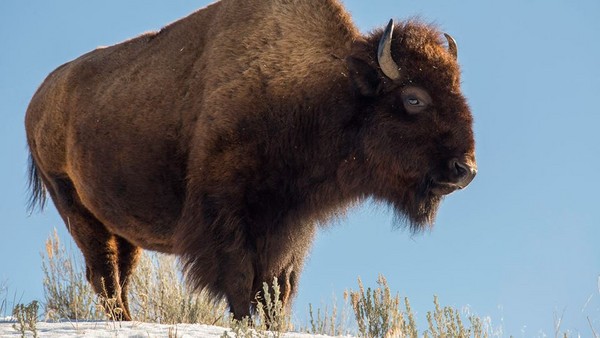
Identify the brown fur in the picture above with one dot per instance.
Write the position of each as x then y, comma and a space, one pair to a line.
226, 137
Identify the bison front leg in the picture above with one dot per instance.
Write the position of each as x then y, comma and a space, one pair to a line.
215, 257
237, 280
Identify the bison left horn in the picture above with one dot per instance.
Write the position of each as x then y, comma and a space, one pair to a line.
384, 54
452, 47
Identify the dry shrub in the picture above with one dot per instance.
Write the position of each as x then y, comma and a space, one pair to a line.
446, 322
329, 323
377, 313
3, 298
271, 319
271, 314
26, 317
157, 293
67, 293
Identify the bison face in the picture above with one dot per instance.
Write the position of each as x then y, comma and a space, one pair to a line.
416, 140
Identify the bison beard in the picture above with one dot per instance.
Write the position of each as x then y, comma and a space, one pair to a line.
417, 207
228, 136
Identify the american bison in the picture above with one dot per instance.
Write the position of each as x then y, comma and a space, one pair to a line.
228, 136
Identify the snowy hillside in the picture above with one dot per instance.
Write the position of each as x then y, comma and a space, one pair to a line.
124, 329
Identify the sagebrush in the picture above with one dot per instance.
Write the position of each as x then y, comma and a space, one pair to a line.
157, 291
158, 294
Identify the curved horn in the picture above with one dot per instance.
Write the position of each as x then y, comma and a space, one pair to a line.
452, 47
384, 54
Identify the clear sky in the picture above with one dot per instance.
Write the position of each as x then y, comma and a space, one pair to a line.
521, 244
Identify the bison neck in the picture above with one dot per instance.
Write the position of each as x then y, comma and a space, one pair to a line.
264, 170
272, 125
275, 160
261, 179
272, 115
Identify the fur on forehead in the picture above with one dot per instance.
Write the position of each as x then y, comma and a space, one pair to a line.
420, 46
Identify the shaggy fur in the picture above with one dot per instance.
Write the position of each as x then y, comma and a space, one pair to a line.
227, 136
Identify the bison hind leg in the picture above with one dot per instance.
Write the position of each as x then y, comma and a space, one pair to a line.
109, 259
128, 257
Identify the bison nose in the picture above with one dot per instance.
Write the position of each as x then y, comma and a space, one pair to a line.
462, 173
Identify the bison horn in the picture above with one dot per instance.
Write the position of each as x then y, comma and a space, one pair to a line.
384, 54
452, 47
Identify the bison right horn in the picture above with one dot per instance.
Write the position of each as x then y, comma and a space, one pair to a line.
452, 47
384, 54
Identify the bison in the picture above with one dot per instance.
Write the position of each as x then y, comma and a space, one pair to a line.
229, 136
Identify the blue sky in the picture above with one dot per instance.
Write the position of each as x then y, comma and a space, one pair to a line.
520, 244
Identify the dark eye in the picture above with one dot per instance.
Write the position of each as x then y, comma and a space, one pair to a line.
413, 101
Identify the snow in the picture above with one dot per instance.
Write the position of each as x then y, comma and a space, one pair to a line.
123, 329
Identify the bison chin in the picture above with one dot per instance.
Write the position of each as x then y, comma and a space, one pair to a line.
417, 207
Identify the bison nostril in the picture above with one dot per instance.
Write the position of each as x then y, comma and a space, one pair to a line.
462, 172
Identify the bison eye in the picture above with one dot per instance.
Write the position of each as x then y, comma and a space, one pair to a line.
415, 99
413, 102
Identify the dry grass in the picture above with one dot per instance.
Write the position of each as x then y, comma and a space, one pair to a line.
329, 322
271, 314
377, 313
67, 293
3, 298
26, 317
157, 294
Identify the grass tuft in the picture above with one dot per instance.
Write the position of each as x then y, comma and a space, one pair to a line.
157, 292
159, 295
271, 315
26, 317
67, 293
329, 323
3, 298
377, 312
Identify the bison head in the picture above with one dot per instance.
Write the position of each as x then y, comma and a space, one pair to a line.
416, 139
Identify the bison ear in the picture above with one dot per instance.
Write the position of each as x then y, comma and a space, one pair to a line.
364, 77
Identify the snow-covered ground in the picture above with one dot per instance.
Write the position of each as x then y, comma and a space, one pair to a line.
123, 329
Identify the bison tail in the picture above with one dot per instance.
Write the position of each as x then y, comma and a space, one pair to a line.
37, 190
